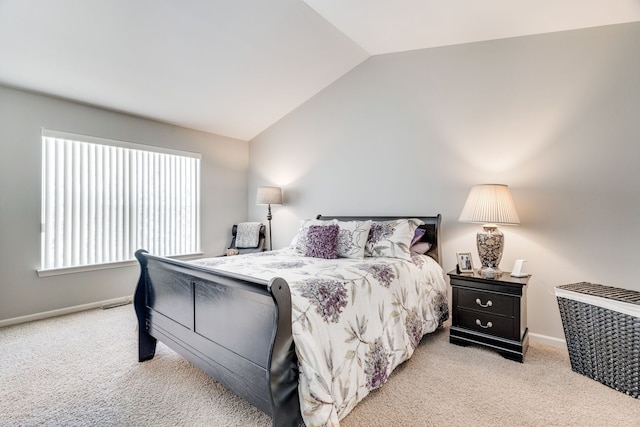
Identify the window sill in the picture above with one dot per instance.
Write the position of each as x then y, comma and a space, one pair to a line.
85, 268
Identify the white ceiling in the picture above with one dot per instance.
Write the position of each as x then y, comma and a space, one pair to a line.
235, 67
384, 26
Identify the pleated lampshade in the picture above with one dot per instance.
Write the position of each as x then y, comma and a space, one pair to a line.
489, 203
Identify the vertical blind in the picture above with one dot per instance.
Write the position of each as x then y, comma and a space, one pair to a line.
102, 200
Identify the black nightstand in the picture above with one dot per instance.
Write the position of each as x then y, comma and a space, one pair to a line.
490, 312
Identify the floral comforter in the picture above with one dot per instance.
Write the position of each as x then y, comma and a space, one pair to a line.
354, 320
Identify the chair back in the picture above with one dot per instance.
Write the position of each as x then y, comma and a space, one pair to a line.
259, 248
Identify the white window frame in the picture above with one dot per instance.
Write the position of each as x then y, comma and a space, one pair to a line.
95, 219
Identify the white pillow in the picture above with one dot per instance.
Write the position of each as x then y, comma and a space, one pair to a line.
352, 238
392, 239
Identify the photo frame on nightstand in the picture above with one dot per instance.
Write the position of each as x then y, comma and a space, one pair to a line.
465, 262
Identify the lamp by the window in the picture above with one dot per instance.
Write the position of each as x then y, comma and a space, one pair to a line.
269, 196
490, 204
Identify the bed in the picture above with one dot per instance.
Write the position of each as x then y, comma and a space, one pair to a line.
302, 338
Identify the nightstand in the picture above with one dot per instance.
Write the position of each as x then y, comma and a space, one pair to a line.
490, 312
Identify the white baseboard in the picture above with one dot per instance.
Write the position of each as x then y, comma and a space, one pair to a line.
68, 310
545, 339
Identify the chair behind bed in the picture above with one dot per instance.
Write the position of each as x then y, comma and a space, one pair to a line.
259, 248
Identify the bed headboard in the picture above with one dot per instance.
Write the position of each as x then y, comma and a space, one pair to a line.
432, 225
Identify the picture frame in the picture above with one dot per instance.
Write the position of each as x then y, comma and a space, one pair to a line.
465, 262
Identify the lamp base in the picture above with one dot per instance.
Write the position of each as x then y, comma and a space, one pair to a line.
489, 272
490, 242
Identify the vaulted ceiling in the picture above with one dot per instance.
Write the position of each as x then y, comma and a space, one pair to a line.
235, 67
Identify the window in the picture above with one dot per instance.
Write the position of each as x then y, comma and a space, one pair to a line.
102, 200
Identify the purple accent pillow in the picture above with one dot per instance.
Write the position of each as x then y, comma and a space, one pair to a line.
420, 248
322, 241
418, 235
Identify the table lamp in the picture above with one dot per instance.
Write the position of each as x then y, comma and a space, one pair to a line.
490, 205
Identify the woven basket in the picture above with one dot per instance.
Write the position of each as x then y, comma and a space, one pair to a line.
603, 342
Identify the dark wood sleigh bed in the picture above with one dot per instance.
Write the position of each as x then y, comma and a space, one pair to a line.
236, 328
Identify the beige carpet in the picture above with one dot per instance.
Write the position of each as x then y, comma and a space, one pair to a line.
82, 369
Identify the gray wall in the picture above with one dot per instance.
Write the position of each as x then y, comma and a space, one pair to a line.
22, 115
553, 116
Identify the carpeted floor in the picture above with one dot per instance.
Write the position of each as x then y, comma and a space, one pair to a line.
82, 370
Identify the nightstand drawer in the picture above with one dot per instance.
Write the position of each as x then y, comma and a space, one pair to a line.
487, 302
487, 323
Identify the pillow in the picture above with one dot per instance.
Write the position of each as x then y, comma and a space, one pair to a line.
299, 241
417, 236
418, 246
392, 238
322, 241
296, 237
352, 238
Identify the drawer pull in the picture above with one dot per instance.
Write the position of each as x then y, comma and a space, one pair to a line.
488, 304
479, 323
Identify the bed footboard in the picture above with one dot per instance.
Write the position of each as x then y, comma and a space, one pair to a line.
235, 328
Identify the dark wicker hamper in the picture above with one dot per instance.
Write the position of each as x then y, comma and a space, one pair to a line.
602, 329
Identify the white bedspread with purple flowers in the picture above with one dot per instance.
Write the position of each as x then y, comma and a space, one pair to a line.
354, 320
